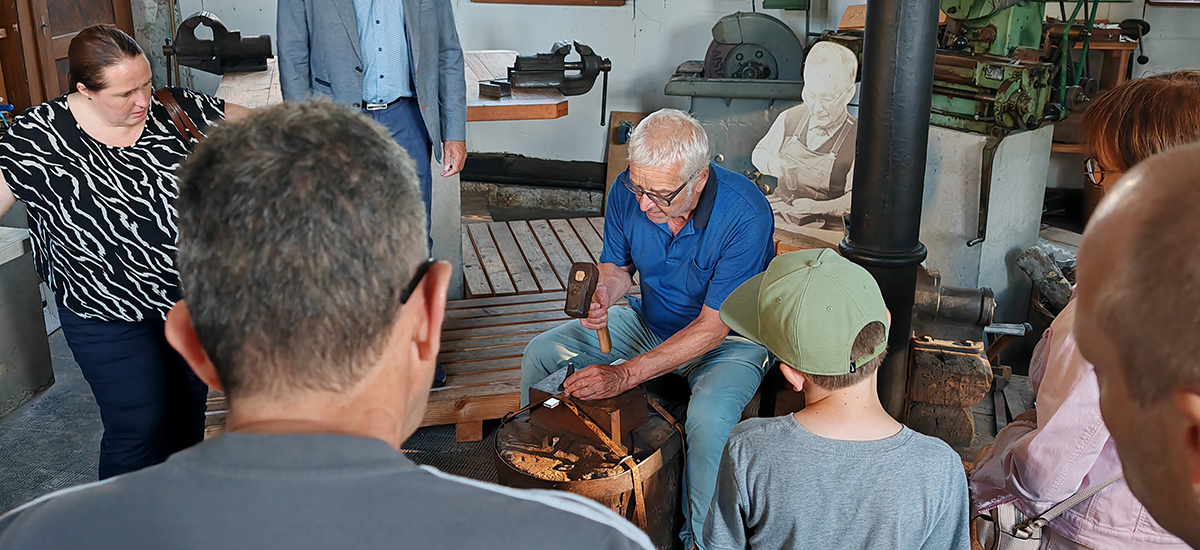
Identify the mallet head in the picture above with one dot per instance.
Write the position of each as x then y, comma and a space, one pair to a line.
581, 285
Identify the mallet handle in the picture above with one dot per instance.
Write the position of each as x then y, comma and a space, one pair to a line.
605, 341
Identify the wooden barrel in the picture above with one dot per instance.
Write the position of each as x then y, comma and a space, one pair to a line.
536, 457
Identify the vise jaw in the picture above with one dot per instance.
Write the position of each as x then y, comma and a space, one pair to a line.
226, 52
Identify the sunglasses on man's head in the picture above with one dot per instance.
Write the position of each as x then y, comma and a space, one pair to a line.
655, 197
416, 280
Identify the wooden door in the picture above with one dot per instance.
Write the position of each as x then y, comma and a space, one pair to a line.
58, 21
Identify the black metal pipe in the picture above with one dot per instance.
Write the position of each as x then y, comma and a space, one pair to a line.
889, 174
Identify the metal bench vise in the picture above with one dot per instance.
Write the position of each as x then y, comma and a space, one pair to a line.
226, 52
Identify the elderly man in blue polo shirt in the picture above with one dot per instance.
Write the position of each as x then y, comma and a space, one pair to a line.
693, 232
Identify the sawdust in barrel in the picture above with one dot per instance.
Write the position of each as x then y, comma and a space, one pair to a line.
557, 457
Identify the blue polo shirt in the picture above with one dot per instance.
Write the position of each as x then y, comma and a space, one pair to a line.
728, 240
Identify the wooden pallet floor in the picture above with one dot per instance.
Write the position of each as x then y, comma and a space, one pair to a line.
515, 273
482, 343
526, 257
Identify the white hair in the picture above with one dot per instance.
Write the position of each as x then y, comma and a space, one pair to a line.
670, 138
836, 59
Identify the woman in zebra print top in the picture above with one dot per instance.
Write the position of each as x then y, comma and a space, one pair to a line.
96, 169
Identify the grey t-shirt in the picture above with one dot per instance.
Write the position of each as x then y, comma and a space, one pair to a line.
258, 492
781, 486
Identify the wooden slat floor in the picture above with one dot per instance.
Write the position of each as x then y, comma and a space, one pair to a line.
527, 257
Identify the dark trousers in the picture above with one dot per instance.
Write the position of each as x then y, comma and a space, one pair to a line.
403, 120
151, 403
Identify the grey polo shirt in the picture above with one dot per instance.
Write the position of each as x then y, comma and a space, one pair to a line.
243, 491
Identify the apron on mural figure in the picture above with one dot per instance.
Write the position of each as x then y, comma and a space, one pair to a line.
807, 173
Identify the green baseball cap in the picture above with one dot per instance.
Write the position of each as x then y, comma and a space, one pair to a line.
807, 308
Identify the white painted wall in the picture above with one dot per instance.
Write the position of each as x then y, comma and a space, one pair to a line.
646, 40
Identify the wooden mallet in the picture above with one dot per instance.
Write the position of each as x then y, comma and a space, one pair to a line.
581, 292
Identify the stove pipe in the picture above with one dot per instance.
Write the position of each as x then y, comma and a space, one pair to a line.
889, 173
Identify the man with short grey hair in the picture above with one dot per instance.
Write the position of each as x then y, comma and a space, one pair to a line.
310, 301
1137, 320
693, 232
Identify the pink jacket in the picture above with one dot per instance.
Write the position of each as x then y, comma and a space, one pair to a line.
1039, 465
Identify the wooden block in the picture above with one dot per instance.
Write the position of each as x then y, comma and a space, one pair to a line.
946, 373
1047, 277
590, 238
954, 425
855, 18
555, 253
514, 261
570, 241
476, 279
469, 431
543, 272
489, 257
615, 416
468, 407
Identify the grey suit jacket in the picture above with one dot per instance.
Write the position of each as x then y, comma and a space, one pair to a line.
319, 55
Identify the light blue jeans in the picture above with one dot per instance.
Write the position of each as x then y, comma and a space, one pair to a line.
722, 381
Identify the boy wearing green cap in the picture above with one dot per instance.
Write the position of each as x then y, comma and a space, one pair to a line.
841, 473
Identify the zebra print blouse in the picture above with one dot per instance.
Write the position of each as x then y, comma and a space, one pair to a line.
101, 217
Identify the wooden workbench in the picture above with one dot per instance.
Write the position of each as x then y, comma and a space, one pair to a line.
523, 104
261, 89
253, 90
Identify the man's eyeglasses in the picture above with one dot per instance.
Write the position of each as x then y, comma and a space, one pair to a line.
658, 199
416, 280
1094, 172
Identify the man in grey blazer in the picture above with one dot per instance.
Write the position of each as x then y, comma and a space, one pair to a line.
397, 60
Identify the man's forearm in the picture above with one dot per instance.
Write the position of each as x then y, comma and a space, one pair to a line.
617, 280
699, 337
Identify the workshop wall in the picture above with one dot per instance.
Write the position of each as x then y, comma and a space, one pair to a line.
646, 40
151, 28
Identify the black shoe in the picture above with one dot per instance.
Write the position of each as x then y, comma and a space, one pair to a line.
439, 376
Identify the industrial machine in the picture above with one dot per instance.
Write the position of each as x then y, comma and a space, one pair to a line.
1002, 67
750, 74
228, 51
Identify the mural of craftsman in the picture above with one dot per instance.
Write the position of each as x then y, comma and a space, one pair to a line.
810, 147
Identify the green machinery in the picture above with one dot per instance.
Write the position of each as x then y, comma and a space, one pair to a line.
1001, 67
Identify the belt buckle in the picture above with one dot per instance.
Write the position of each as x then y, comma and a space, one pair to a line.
375, 106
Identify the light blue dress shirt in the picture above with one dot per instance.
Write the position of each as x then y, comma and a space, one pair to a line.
384, 44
